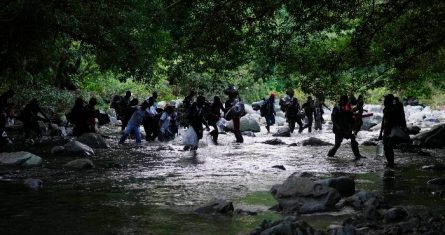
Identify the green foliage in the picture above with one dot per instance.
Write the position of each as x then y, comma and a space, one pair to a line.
324, 46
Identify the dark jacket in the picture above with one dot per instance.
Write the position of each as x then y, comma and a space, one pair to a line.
342, 120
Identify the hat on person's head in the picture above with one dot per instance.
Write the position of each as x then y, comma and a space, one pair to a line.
272, 95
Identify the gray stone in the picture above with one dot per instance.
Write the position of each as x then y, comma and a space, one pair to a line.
342, 230
395, 215
76, 147
274, 142
434, 138
248, 133
290, 225
437, 181
57, 149
20, 159
312, 141
359, 199
218, 206
344, 185
80, 164
281, 167
413, 130
93, 140
369, 143
303, 195
282, 132
434, 167
33, 184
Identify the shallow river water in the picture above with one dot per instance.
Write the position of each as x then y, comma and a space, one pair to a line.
154, 188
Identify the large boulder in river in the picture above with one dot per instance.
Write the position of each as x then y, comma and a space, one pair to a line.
93, 140
20, 159
344, 185
76, 147
217, 207
282, 132
303, 195
312, 141
247, 123
80, 164
434, 138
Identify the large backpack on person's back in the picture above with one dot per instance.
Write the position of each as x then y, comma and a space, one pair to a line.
264, 108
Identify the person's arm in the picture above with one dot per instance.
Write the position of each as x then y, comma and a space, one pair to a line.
381, 128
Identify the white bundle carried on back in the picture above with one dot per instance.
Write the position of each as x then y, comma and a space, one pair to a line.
190, 138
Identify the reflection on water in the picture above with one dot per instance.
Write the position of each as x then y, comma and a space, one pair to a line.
154, 188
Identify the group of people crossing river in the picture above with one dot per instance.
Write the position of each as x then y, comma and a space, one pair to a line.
197, 114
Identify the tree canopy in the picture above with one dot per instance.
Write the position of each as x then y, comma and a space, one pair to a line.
326, 45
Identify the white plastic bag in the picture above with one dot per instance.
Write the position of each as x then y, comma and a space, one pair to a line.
379, 149
190, 138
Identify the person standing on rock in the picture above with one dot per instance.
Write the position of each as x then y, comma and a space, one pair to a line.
343, 124
214, 115
308, 108
134, 124
268, 111
293, 115
233, 100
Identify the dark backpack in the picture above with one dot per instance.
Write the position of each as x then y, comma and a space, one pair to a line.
264, 108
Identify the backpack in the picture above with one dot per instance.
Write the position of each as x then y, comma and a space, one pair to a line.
264, 109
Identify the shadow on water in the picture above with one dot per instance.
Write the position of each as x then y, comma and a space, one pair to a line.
154, 188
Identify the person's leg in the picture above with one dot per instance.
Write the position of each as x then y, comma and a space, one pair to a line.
125, 135
354, 146
137, 134
338, 140
214, 133
389, 151
300, 125
291, 126
309, 124
237, 130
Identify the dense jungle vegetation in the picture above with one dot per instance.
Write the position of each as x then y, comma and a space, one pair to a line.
48, 48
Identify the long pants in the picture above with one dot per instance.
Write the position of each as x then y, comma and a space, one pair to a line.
389, 151
151, 128
215, 132
237, 130
292, 125
131, 129
308, 125
338, 139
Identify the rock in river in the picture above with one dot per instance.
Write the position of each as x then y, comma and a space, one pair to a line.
290, 225
435, 138
80, 164
274, 142
303, 195
93, 140
282, 132
76, 147
344, 185
218, 206
20, 159
315, 142
33, 184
